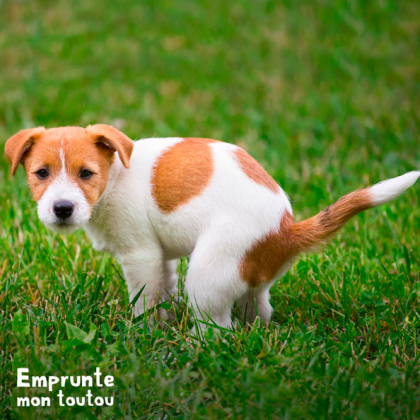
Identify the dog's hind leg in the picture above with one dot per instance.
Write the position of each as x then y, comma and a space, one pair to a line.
256, 302
213, 282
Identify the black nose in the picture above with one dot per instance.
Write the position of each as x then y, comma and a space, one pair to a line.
63, 209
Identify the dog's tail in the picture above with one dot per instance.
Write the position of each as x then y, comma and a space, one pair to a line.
318, 229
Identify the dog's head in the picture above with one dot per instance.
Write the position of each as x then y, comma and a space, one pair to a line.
67, 168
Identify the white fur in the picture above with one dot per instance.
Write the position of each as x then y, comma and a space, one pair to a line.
391, 188
63, 160
215, 229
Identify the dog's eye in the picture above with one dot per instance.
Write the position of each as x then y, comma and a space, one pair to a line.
85, 174
42, 174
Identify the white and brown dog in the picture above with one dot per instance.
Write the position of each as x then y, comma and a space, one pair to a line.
155, 200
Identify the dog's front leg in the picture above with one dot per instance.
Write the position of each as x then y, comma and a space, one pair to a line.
143, 269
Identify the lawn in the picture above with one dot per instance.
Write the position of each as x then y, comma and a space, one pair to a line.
326, 96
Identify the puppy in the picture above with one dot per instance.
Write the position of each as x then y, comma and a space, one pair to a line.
155, 200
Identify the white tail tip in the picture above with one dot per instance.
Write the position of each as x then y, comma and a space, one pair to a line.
391, 188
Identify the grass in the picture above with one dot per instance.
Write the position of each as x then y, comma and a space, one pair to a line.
326, 96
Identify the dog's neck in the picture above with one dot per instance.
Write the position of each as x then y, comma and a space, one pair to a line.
95, 228
114, 172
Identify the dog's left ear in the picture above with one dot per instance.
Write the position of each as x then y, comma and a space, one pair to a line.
113, 139
17, 145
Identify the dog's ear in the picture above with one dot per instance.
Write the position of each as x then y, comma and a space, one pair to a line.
112, 139
17, 145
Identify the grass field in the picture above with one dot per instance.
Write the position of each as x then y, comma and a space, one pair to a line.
326, 96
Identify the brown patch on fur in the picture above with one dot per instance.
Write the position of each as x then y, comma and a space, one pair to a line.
318, 229
112, 140
266, 256
19, 144
255, 171
203, 140
181, 173
92, 149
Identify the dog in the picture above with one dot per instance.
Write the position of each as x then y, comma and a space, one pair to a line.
155, 200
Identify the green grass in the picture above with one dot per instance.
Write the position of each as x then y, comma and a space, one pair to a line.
326, 96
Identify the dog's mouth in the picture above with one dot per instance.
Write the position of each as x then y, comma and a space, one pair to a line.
63, 216
63, 223
63, 226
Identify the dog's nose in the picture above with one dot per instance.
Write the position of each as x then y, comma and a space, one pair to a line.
63, 209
